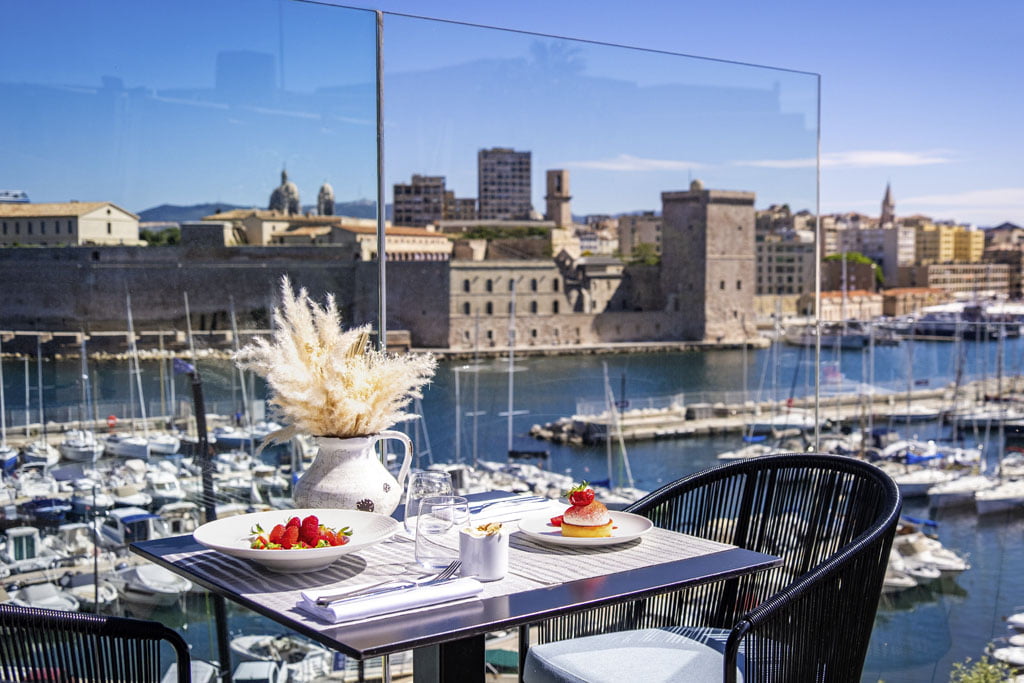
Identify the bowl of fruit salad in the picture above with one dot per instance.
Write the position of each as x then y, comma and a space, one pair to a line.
296, 540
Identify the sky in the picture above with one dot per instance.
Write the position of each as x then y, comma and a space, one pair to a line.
208, 101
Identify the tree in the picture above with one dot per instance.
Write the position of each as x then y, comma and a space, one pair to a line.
983, 671
161, 238
646, 254
857, 257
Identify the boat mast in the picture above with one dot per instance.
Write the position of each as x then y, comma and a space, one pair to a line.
28, 399
134, 351
39, 383
3, 407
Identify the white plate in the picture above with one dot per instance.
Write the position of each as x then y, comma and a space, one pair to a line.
625, 527
232, 536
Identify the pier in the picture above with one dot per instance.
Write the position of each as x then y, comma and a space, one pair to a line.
704, 418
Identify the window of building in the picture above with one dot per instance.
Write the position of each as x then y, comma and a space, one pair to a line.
17, 228
109, 230
465, 308
489, 308
69, 227
490, 335
739, 284
533, 333
5, 227
554, 307
533, 307
465, 285
533, 285
554, 284
489, 285
721, 284
511, 284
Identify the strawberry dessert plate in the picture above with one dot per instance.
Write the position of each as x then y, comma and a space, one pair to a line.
296, 540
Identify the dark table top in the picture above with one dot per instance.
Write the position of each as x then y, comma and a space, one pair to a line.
445, 623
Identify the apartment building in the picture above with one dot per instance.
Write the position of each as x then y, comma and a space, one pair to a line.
503, 184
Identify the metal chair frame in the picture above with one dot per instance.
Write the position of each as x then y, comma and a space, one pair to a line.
43, 644
831, 519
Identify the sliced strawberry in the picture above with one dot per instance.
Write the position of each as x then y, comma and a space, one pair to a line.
556, 521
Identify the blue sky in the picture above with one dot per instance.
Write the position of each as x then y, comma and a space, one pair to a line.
924, 99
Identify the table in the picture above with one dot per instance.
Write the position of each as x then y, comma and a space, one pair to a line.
448, 640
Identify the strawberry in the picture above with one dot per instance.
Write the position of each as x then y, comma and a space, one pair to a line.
330, 537
581, 495
291, 537
556, 521
294, 521
276, 534
309, 531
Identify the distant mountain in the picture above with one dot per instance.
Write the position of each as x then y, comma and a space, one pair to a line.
360, 208
181, 214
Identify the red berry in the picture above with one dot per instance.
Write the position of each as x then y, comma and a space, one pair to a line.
277, 533
556, 521
294, 521
582, 498
309, 532
311, 520
330, 537
291, 537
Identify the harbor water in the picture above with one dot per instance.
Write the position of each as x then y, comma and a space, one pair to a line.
918, 635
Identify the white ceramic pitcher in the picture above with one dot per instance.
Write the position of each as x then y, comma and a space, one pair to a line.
347, 474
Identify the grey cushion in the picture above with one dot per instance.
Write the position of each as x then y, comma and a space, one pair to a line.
648, 655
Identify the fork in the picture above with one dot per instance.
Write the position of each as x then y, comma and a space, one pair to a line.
384, 587
515, 500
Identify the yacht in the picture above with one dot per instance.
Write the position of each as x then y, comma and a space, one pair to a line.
163, 488
149, 585
44, 596
124, 446
129, 525
80, 445
959, 491
1008, 495
40, 452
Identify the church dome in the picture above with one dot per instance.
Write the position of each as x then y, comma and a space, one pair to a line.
325, 200
285, 197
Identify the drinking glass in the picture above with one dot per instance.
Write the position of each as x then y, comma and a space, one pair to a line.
437, 530
422, 485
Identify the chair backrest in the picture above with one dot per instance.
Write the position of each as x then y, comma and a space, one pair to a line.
830, 518
51, 645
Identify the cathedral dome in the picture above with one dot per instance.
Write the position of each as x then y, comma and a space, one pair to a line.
325, 200
285, 197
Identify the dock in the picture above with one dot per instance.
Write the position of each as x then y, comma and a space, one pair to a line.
702, 419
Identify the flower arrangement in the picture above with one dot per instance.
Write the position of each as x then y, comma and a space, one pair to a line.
327, 382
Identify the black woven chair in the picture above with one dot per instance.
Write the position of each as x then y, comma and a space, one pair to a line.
830, 518
50, 645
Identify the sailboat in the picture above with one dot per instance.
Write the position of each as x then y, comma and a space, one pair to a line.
8, 454
617, 494
81, 445
131, 446
39, 451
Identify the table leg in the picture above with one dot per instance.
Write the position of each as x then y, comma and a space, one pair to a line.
459, 661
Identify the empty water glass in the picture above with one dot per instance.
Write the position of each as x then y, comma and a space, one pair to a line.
438, 524
423, 485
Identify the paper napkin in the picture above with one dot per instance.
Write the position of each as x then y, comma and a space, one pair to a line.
353, 609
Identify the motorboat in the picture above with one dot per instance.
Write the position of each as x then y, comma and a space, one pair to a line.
40, 451
125, 446
92, 595
1016, 621
896, 581
8, 457
44, 596
959, 491
918, 549
149, 585
304, 660
24, 550
45, 512
74, 539
163, 444
130, 525
181, 518
163, 487
33, 481
202, 672
1003, 497
919, 571
236, 438
89, 500
918, 482
80, 445
260, 672
128, 495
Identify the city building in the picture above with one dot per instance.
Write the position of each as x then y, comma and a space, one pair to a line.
707, 261
420, 202
899, 301
1004, 234
888, 216
785, 263
891, 248
834, 276
837, 306
67, 223
504, 184
285, 197
637, 229
965, 280
1013, 258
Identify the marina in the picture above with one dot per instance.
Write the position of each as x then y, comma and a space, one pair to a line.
969, 601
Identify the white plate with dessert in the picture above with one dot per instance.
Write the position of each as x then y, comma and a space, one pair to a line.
586, 522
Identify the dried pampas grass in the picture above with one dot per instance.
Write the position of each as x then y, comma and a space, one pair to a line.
326, 382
